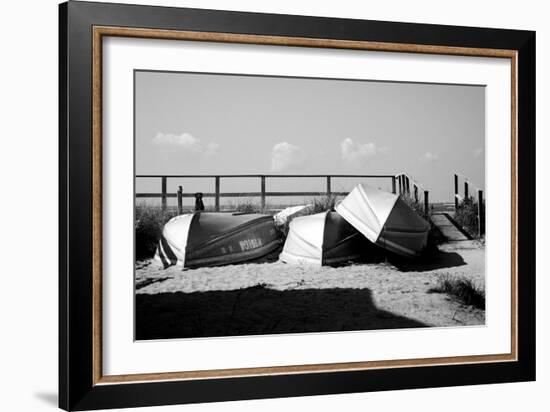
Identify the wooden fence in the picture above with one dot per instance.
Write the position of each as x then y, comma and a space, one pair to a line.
411, 188
403, 180
470, 193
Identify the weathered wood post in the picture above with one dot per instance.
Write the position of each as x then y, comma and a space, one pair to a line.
180, 200
415, 193
329, 190
163, 193
217, 193
393, 188
400, 184
426, 203
465, 189
263, 193
480, 214
456, 192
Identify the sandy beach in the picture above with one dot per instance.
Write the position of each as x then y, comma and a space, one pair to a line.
259, 298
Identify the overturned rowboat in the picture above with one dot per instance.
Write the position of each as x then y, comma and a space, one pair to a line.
385, 219
323, 239
212, 239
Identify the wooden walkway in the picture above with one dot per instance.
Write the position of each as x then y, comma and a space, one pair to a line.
447, 228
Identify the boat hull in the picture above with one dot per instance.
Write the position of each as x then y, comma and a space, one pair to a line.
386, 220
243, 244
216, 239
324, 239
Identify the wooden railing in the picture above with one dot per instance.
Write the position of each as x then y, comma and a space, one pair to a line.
403, 179
406, 183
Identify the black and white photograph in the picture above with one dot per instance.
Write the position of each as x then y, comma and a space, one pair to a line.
287, 205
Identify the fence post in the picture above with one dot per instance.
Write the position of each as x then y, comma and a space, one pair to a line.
329, 191
426, 203
393, 189
456, 192
263, 193
180, 200
415, 193
163, 193
400, 184
480, 214
217, 190
408, 185
466, 189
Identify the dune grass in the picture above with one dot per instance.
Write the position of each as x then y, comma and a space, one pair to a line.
322, 204
318, 204
466, 216
246, 206
462, 289
149, 221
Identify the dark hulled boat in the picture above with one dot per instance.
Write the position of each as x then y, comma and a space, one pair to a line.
213, 239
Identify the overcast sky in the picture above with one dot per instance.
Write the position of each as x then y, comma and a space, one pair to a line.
221, 124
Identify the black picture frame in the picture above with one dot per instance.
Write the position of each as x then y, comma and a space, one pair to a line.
77, 390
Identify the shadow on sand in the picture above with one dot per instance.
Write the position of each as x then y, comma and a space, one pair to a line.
437, 259
259, 310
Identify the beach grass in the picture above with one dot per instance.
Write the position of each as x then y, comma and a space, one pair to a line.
246, 206
149, 221
461, 288
316, 205
322, 204
466, 216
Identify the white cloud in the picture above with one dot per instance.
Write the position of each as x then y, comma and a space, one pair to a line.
430, 157
478, 152
358, 152
285, 156
187, 142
